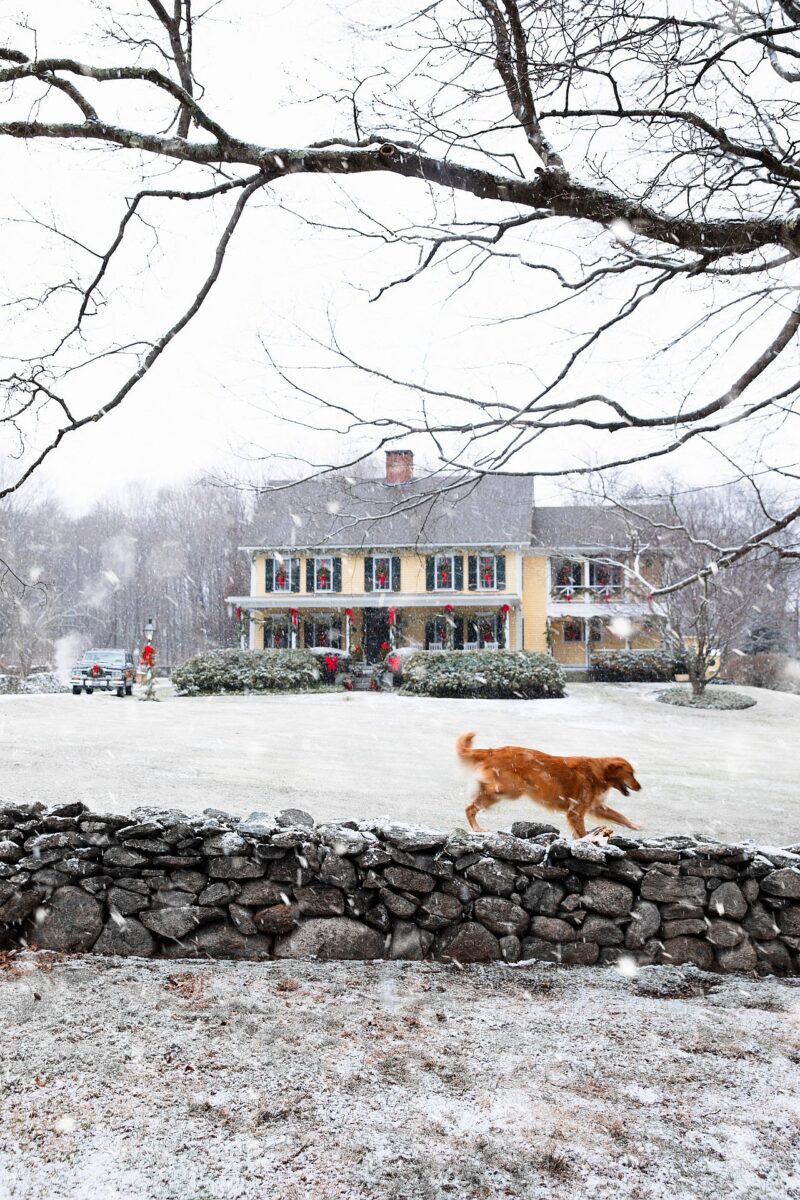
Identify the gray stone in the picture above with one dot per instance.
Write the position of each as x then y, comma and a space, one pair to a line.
725, 934
317, 901
400, 906
143, 829
374, 857
578, 954
173, 922
601, 930
126, 902
116, 856
468, 942
234, 867
18, 906
502, 917
220, 941
71, 808
690, 927
51, 841
543, 897
462, 889
785, 882
338, 871
407, 880
550, 929
623, 870
126, 937
682, 910
10, 852
71, 920
227, 843
514, 849
292, 818
188, 881
608, 898
148, 845
774, 957
686, 950
378, 916
258, 893
530, 829
242, 919
343, 840
277, 919
498, 878
658, 886
742, 957
705, 868
409, 942
258, 824
727, 901
510, 948
789, 920
438, 910
760, 923
332, 939
408, 837
645, 922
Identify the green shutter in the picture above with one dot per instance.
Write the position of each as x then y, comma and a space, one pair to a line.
309, 575
472, 572
337, 574
269, 575
395, 572
458, 572
294, 568
368, 574
500, 572
430, 573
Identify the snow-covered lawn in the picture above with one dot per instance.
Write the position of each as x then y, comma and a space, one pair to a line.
132, 1080
727, 774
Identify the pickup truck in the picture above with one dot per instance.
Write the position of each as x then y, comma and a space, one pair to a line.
108, 670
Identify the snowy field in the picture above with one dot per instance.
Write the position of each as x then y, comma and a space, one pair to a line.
725, 774
342, 1081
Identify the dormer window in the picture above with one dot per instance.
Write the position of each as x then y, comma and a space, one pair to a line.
282, 574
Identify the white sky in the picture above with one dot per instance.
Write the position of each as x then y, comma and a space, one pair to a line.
210, 402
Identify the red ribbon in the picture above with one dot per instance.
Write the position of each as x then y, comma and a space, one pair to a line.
392, 616
293, 615
504, 610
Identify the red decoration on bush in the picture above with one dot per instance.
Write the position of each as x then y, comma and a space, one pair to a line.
373, 685
393, 662
331, 662
347, 684
385, 646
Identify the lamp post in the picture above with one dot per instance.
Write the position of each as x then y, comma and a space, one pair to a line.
148, 661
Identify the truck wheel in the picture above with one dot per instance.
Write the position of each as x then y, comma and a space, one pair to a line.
76, 691
89, 691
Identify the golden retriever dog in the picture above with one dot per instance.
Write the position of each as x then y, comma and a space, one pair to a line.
575, 786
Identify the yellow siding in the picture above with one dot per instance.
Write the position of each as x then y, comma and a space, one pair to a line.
534, 602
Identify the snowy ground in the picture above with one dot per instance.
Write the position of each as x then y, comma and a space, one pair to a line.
311, 1081
729, 774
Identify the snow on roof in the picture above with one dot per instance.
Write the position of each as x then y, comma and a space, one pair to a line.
440, 510
592, 527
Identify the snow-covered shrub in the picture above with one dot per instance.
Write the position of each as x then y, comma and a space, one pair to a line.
489, 674
43, 683
768, 669
221, 671
632, 666
718, 698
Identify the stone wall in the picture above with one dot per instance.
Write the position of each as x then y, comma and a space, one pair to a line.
166, 884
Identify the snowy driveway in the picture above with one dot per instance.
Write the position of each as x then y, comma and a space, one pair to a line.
728, 774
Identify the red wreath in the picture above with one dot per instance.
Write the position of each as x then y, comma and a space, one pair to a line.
95, 669
148, 658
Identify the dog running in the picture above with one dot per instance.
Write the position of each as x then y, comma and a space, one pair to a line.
575, 786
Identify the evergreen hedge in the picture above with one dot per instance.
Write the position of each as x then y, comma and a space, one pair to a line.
484, 674
217, 672
633, 666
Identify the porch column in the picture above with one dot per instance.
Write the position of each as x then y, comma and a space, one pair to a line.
346, 633
250, 636
517, 628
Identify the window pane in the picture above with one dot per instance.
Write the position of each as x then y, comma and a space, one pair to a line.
382, 574
567, 574
486, 571
573, 631
444, 570
323, 574
283, 575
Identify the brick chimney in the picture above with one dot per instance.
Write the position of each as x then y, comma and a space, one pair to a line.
399, 466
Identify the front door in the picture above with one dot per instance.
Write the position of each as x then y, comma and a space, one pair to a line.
376, 633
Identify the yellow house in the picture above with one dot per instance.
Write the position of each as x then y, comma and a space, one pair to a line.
443, 562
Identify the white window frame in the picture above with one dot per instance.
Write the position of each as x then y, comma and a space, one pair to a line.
561, 589
487, 587
286, 565
325, 620
318, 563
612, 568
270, 624
376, 587
579, 641
440, 558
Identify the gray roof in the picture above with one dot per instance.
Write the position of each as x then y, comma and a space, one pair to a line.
593, 527
440, 510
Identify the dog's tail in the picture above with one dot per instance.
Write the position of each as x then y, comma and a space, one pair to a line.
464, 748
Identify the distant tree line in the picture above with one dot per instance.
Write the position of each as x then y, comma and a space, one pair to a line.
94, 580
